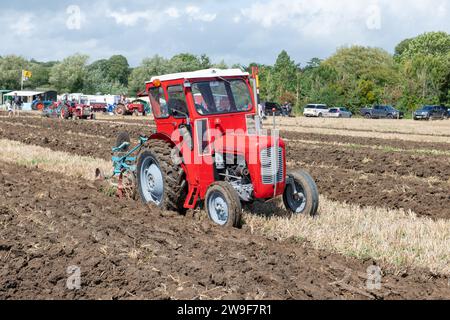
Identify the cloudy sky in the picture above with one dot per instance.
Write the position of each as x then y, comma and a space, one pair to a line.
234, 30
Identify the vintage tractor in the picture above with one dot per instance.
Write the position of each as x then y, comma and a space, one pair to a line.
76, 108
209, 148
135, 107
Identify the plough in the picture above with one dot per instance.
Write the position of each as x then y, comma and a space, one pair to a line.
124, 163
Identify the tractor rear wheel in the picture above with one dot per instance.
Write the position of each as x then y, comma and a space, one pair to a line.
160, 181
305, 198
224, 205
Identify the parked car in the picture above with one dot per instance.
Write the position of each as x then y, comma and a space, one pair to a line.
315, 110
382, 112
339, 113
431, 112
270, 106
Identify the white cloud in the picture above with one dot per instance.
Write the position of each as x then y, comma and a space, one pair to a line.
328, 17
155, 18
173, 12
23, 26
235, 30
131, 19
195, 13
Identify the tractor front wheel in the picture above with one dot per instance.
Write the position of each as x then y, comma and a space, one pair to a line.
304, 199
160, 181
224, 205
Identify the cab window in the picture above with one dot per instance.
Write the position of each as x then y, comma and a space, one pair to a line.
177, 102
159, 103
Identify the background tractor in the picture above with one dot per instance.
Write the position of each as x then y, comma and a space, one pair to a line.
75, 107
135, 107
209, 148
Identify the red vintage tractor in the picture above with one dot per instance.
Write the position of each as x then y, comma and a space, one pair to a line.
133, 108
77, 108
209, 148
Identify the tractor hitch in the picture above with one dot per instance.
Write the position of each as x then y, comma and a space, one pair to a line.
124, 160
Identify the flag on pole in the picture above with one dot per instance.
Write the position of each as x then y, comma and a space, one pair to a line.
26, 74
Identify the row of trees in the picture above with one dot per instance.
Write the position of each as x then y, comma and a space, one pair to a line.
418, 73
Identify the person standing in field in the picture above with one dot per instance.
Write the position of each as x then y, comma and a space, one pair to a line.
9, 107
16, 104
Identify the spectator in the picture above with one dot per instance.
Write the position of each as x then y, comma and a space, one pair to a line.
9, 107
284, 109
16, 104
288, 109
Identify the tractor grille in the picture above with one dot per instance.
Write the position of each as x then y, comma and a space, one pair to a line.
272, 165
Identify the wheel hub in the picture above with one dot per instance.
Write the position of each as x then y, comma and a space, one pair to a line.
296, 198
218, 209
152, 182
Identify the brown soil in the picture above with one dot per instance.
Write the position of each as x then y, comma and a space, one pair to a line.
359, 182
126, 251
97, 128
110, 128
398, 144
428, 199
372, 161
374, 131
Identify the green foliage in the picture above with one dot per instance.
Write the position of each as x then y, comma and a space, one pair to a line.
68, 76
186, 62
118, 69
431, 43
425, 70
11, 71
418, 73
149, 67
284, 76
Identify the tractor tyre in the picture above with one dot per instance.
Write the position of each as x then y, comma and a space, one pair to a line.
160, 181
120, 110
306, 201
223, 205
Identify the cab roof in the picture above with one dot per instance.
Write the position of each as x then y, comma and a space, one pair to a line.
208, 73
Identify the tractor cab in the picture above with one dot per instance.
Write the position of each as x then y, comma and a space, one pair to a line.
209, 148
223, 98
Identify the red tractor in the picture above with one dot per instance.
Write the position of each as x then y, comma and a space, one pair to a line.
134, 108
209, 148
76, 108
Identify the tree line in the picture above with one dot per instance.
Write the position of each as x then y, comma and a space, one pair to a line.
417, 73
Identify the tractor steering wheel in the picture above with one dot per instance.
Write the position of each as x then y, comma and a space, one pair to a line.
201, 109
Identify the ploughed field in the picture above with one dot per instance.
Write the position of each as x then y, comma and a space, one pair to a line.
385, 202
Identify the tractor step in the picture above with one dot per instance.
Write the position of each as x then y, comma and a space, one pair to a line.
192, 198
